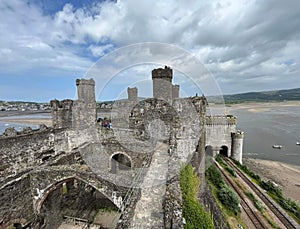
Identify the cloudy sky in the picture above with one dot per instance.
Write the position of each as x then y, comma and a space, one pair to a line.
46, 44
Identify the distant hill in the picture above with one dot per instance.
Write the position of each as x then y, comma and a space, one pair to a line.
264, 96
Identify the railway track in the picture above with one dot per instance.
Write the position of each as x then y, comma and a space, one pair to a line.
253, 216
280, 214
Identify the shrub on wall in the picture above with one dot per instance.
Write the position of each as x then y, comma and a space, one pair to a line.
193, 212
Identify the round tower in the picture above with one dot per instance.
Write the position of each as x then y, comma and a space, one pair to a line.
162, 83
237, 139
86, 90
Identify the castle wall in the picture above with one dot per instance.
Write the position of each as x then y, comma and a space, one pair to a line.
16, 202
22, 152
20, 155
218, 131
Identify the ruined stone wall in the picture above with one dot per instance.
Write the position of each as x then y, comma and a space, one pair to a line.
16, 201
20, 155
23, 152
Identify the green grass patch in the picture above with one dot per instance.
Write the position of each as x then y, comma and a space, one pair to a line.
256, 202
225, 166
193, 212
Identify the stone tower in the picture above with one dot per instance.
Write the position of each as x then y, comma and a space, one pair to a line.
84, 109
237, 145
162, 83
132, 94
175, 91
86, 90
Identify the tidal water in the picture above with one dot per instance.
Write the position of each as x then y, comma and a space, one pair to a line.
275, 126
19, 126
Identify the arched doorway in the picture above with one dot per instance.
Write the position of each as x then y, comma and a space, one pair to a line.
74, 199
120, 161
224, 151
209, 150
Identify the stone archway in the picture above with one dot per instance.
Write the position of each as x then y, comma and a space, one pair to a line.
224, 150
72, 197
119, 161
209, 151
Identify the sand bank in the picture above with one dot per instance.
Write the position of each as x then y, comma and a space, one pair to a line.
261, 107
287, 176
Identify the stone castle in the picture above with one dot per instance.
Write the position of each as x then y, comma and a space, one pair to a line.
125, 156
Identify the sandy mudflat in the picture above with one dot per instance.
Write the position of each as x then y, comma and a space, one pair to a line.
46, 121
261, 107
286, 175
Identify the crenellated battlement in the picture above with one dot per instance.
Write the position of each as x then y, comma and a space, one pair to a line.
65, 104
220, 120
237, 135
61, 113
163, 73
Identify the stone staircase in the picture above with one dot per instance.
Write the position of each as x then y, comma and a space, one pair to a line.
149, 212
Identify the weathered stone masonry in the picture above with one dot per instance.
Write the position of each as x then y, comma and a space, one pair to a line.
81, 155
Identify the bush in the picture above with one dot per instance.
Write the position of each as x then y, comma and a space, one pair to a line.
214, 175
225, 194
193, 212
229, 199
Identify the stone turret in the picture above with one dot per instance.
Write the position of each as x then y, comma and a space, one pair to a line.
61, 113
237, 146
132, 94
86, 90
175, 91
84, 109
162, 83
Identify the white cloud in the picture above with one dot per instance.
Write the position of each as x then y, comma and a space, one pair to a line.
237, 41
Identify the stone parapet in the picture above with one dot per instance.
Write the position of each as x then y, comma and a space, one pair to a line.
221, 120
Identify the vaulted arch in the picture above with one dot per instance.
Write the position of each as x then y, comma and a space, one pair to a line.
224, 150
120, 161
209, 150
73, 197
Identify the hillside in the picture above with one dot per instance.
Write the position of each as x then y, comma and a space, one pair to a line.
265, 96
